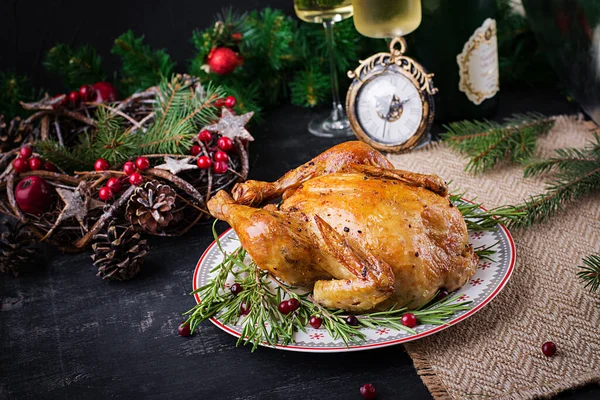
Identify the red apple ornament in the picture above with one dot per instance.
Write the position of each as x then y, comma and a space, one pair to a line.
33, 195
223, 60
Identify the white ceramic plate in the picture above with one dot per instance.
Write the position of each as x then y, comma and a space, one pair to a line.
488, 281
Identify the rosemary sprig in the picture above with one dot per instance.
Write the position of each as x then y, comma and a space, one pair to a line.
479, 220
589, 272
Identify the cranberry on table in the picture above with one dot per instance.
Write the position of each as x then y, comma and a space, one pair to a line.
101, 165
244, 308
74, 98
219, 167
129, 168
368, 391
293, 304
221, 156
315, 322
549, 348
409, 320
195, 150
352, 320
230, 101
205, 136
184, 329
204, 162
224, 143
20, 165
87, 93
284, 307
35, 163
136, 179
142, 163
33, 195
105, 193
236, 289
48, 166
114, 184
25, 152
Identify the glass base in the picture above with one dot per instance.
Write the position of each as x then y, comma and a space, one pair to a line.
324, 125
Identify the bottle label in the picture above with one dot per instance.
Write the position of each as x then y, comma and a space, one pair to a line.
478, 64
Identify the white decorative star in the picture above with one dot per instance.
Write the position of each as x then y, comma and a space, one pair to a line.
175, 166
232, 126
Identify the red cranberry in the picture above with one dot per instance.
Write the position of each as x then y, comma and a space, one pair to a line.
136, 179
230, 101
25, 152
293, 304
442, 294
205, 136
195, 150
409, 320
184, 329
220, 103
315, 322
284, 307
244, 308
142, 163
236, 289
204, 162
64, 100
221, 156
236, 36
74, 98
105, 92
549, 348
368, 391
101, 165
129, 168
105, 193
114, 184
352, 320
224, 143
87, 93
20, 165
219, 167
48, 166
36, 163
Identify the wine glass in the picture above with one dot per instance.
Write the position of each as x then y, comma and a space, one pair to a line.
334, 123
386, 18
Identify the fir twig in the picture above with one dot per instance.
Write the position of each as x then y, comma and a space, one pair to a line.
76, 66
480, 220
589, 272
486, 143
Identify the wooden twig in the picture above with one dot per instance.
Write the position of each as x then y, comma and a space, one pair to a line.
58, 132
10, 194
45, 127
182, 184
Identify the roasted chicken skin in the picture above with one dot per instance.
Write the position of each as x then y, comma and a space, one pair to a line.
364, 234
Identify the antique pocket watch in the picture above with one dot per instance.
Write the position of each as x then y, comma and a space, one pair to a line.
390, 101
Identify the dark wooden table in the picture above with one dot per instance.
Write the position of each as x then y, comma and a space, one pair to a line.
66, 334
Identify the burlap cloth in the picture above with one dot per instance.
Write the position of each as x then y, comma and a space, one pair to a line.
496, 353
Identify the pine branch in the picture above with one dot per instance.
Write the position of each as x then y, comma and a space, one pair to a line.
14, 89
487, 142
76, 66
309, 87
479, 220
111, 141
70, 159
590, 272
142, 66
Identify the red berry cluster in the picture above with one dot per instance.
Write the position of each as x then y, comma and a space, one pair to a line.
219, 158
24, 162
229, 102
98, 92
131, 170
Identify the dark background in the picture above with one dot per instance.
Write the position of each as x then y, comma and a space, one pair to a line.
66, 334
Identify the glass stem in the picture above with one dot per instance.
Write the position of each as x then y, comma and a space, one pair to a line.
338, 111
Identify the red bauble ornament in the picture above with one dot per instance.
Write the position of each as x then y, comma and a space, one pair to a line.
184, 329
230, 101
136, 179
101, 165
221, 156
549, 348
224, 143
114, 184
315, 322
368, 391
33, 195
36, 163
204, 162
105, 193
220, 103
219, 167
204, 136
409, 320
87, 93
195, 150
48, 166
25, 152
20, 165
142, 163
129, 168
105, 92
223, 60
74, 98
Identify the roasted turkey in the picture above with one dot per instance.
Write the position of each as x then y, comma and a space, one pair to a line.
364, 234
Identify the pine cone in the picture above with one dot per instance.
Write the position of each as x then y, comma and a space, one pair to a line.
119, 253
16, 248
12, 133
152, 207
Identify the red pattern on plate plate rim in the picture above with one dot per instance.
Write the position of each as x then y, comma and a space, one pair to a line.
380, 344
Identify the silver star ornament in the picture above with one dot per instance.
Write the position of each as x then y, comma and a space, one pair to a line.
175, 166
232, 126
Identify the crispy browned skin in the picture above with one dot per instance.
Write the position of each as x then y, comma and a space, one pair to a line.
364, 234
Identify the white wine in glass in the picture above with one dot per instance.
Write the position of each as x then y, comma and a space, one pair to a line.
328, 12
386, 18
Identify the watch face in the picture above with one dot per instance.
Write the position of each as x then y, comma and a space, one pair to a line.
389, 108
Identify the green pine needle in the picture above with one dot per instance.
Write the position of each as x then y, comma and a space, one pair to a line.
486, 143
590, 272
76, 66
14, 89
310, 87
